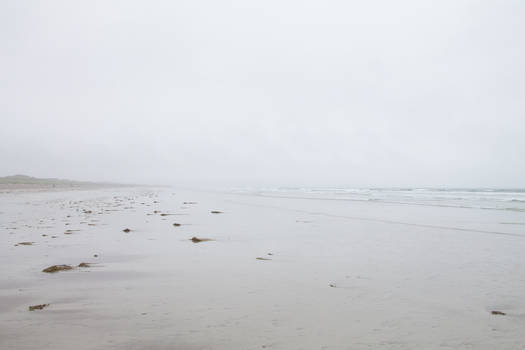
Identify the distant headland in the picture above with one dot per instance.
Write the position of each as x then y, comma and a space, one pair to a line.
25, 181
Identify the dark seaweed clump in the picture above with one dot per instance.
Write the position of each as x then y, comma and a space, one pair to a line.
56, 268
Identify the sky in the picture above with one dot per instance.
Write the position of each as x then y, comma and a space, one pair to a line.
265, 93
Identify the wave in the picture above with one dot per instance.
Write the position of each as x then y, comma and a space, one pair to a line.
473, 198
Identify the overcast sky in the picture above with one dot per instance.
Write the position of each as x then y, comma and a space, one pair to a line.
270, 92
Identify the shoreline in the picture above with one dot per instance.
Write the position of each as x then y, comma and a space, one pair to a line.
261, 272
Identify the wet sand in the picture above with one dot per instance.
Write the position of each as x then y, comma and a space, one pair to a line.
268, 273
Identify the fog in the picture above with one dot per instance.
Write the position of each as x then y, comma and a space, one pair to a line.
264, 93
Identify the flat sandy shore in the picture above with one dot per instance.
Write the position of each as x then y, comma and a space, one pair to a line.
330, 274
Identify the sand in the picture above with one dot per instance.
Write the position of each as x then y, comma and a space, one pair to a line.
340, 274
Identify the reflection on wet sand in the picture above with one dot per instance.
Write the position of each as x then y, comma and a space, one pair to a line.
281, 273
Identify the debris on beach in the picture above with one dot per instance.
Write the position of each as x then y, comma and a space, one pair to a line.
38, 307
95, 255
270, 253
68, 232
498, 313
56, 268
166, 214
216, 212
83, 264
332, 285
24, 243
198, 240
176, 224
189, 203
260, 258
127, 230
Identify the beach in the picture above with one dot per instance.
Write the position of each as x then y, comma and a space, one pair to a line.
267, 270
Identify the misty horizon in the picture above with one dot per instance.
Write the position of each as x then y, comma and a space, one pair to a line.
225, 94
277, 174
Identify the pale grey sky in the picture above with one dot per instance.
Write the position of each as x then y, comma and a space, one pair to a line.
273, 92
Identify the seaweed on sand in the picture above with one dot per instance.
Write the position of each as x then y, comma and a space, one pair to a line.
198, 240
56, 268
38, 307
498, 313
24, 243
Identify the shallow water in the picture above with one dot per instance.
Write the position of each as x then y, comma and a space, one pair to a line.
344, 274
